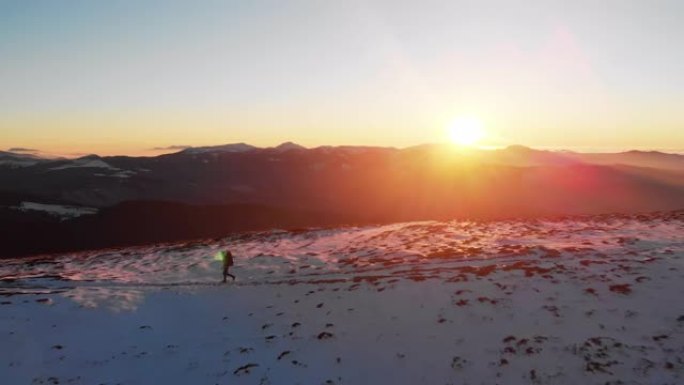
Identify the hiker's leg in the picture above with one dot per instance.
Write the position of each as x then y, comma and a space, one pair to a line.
232, 276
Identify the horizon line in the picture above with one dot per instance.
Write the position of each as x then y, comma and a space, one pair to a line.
173, 149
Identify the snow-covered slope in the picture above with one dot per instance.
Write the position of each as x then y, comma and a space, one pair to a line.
232, 147
591, 300
90, 161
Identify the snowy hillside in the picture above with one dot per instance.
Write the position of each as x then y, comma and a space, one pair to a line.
589, 300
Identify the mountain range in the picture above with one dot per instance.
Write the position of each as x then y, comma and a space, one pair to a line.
93, 201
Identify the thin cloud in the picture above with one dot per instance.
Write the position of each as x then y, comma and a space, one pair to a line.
174, 147
22, 149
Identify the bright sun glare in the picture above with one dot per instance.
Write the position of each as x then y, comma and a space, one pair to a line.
466, 131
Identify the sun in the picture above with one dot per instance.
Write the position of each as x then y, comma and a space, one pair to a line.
466, 131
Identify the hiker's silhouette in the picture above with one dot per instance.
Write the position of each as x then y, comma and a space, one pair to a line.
227, 263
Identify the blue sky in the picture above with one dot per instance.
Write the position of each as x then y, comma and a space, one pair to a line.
123, 76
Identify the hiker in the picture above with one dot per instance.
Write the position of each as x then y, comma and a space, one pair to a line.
227, 263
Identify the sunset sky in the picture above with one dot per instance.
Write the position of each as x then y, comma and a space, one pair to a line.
123, 77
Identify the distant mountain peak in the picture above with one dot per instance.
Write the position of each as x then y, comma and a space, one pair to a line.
18, 160
519, 148
88, 161
18, 155
287, 146
642, 152
90, 157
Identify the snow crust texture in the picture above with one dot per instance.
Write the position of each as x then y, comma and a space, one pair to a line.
591, 300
